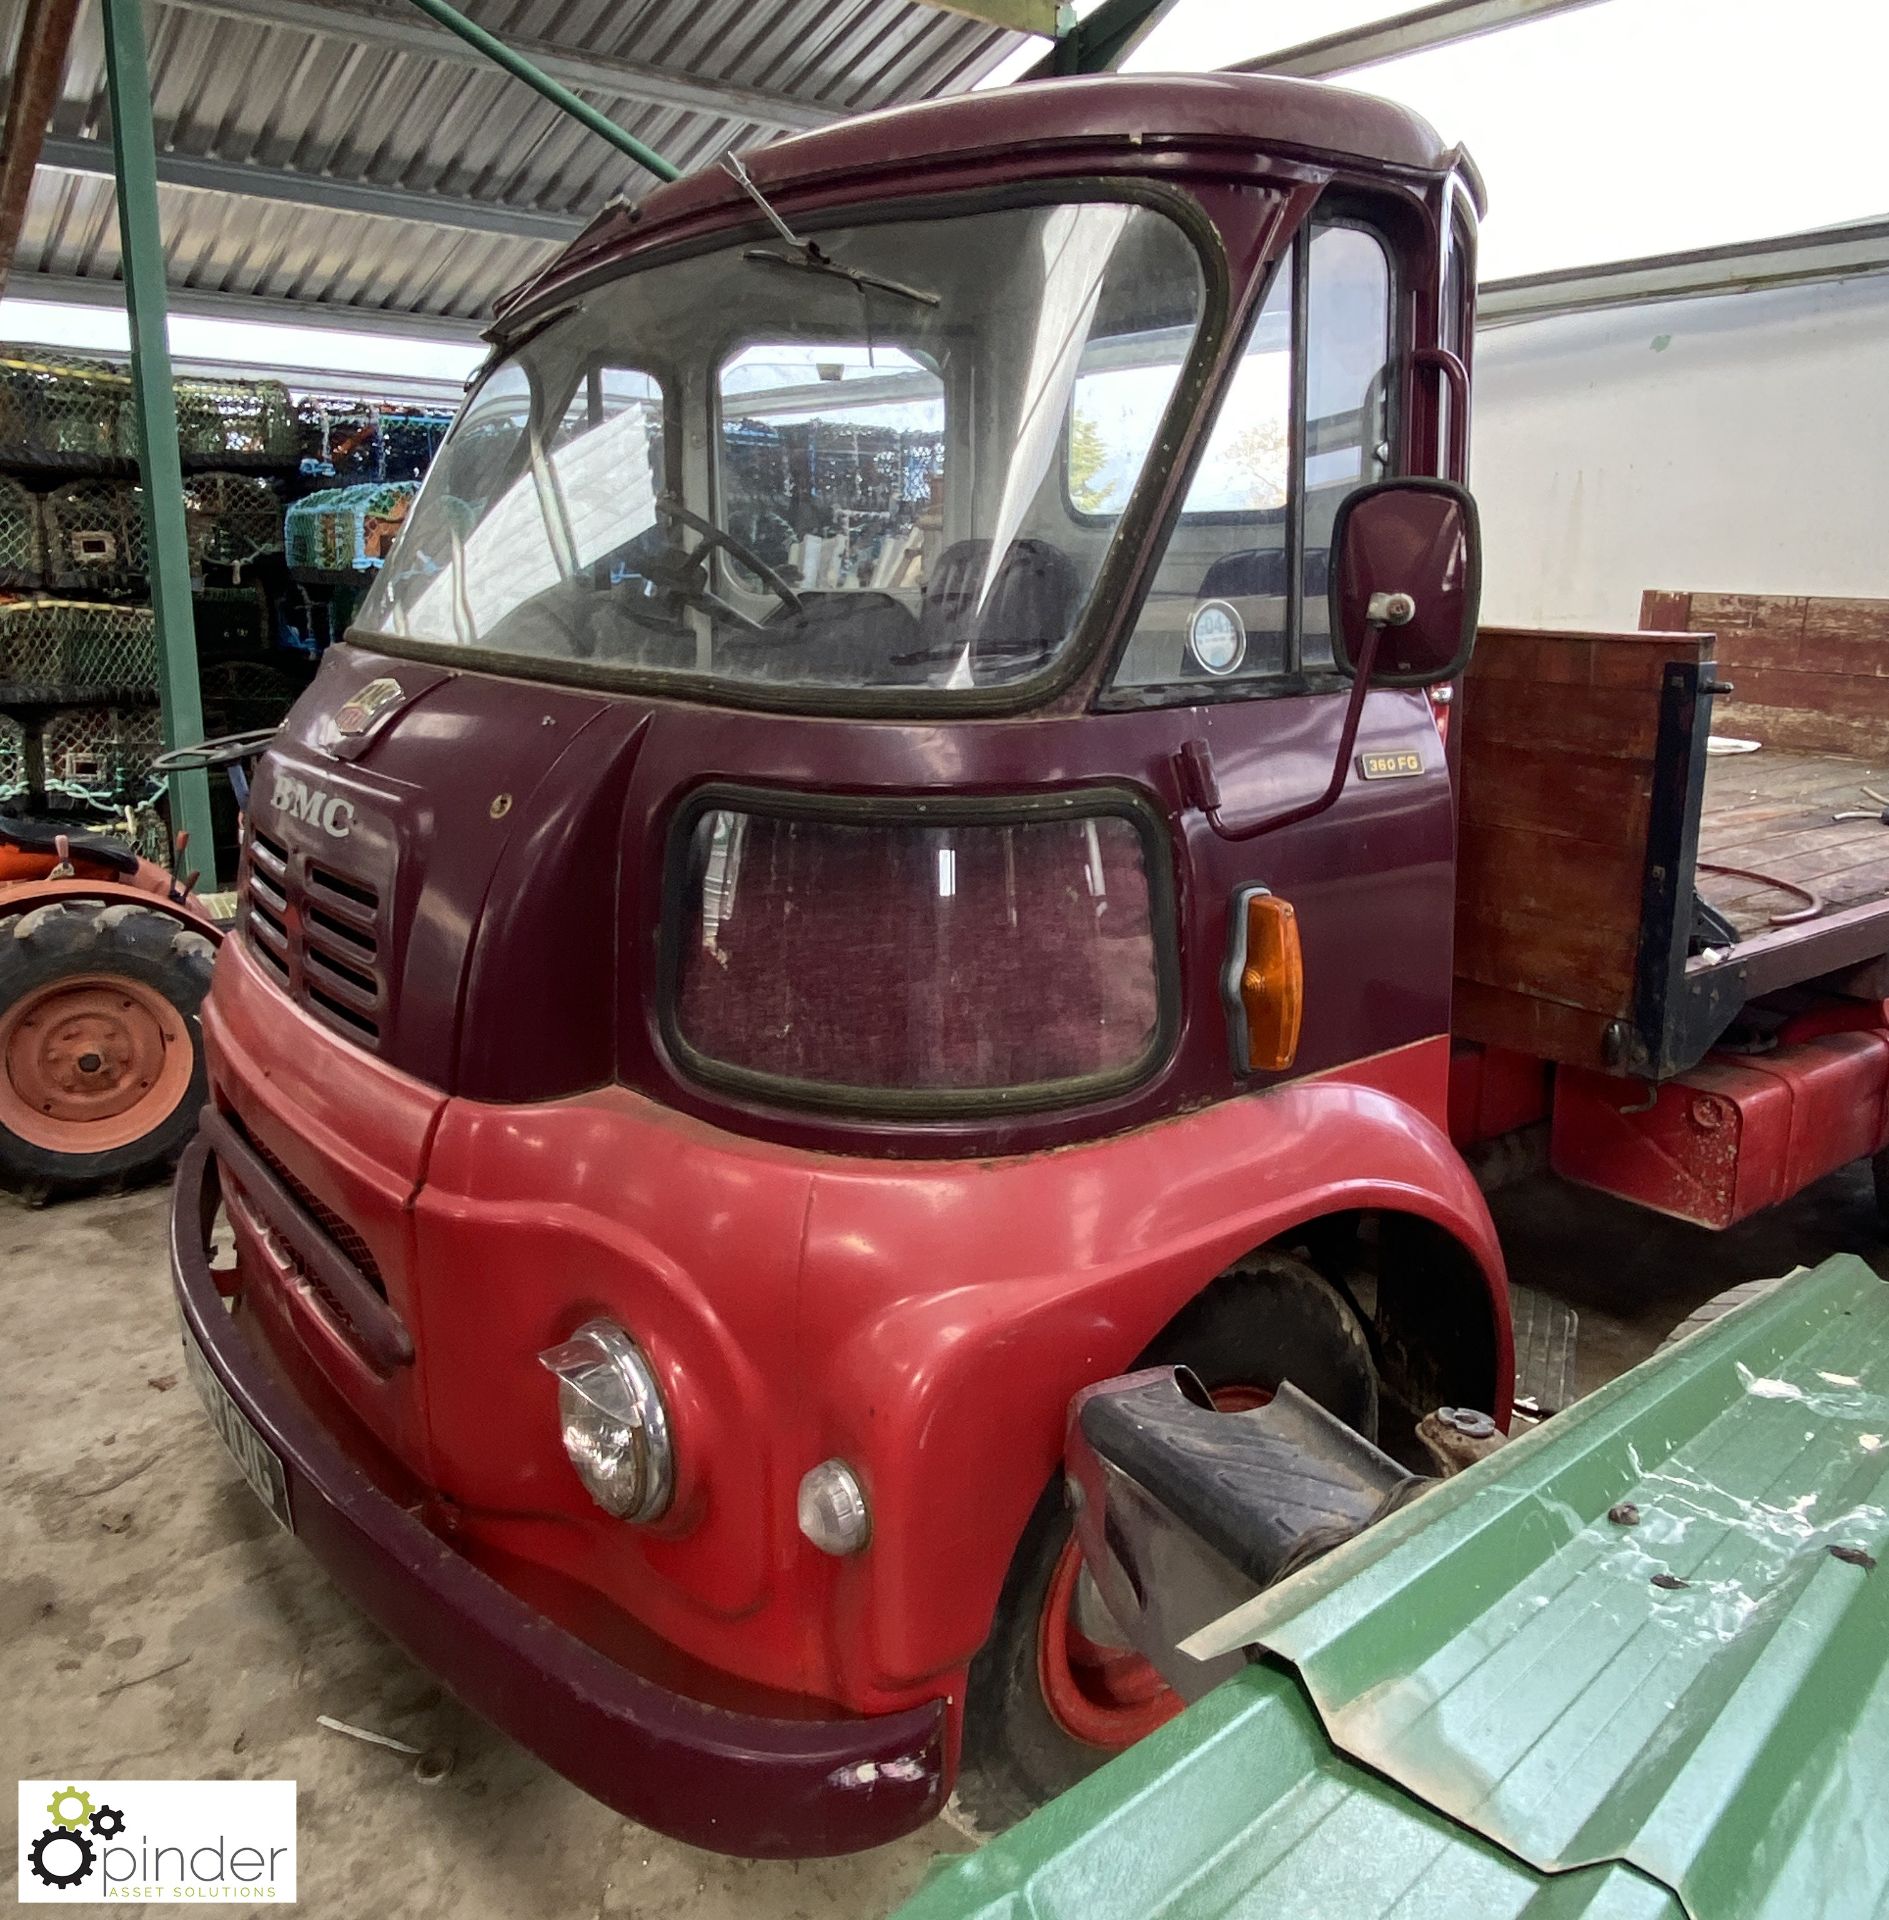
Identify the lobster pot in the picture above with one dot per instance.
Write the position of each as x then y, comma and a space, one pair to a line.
408, 441
344, 435
22, 542
77, 646
12, 759
251, 417
54, 410
241, 696
104, 752
233, 518
94, 530
347, 529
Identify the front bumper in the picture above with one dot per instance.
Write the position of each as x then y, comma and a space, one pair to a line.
735, 1782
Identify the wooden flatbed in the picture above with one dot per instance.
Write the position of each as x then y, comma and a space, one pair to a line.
1589, 803
1770, 812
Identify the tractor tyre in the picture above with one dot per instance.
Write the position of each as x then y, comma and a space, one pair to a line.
1047, 1704
101, 1051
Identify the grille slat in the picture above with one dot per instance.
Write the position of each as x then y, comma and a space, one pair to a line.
331, 1223
358, 989
319, 933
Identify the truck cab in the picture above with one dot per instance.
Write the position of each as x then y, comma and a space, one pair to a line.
881, 852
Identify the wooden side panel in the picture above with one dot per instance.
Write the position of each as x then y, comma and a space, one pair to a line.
1809, 673
1558, 737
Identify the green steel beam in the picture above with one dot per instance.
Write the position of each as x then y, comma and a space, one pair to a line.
535, 77
1099, 43
154, 402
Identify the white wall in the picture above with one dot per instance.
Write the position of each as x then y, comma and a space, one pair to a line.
1734, 444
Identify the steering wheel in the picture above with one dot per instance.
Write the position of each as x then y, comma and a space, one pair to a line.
690, 579
224, 751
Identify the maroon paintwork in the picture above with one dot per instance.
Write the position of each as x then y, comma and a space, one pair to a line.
1247, 126
565, 890
481, 1111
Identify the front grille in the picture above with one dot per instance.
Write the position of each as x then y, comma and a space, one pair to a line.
330, 1222
318, 932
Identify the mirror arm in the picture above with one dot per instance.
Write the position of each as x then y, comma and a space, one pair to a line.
1200, 786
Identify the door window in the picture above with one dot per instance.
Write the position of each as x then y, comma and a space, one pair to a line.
1240, 593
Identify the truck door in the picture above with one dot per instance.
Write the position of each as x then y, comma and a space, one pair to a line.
1236, 626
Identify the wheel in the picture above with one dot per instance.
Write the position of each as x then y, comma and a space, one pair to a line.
1879, 1172
1721, 1304
101, 1054
1054, 1693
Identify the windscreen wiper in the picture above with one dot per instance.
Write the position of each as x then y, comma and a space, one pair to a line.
805, 254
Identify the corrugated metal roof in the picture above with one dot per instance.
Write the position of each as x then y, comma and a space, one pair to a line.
379, 108
1693, 1702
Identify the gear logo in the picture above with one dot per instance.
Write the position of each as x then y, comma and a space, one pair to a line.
155, 1842
63, 1855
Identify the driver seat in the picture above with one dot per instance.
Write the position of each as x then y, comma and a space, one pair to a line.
1024, 618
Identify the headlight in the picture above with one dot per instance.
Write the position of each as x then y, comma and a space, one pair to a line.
616, 1428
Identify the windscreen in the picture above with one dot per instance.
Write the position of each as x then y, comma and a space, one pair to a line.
840, 465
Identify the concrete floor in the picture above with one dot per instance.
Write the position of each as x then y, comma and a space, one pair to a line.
154, 1622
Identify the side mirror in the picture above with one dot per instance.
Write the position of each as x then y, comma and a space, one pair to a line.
1406, 557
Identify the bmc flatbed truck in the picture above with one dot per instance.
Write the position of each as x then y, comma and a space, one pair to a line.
885, 850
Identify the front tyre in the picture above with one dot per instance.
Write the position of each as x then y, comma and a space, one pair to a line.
1054, 1693
101, 1053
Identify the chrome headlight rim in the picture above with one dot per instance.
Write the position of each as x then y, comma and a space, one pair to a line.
601, 1369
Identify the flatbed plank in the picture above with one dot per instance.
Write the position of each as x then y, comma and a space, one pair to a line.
1771, 813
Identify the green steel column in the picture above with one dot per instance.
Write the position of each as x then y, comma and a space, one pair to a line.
141, 247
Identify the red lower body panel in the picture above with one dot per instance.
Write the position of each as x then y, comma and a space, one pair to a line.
737, 1782
925, 1321
1735, 1135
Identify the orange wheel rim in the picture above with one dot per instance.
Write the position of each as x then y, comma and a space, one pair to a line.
92, 1063
1105, 1696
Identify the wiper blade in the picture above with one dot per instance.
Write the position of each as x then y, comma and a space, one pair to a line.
805, 254
810, 259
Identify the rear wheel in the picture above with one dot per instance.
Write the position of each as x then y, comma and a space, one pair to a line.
1055, 1692
101, 1056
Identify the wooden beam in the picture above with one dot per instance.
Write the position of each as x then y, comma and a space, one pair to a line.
39, 65
1041, 17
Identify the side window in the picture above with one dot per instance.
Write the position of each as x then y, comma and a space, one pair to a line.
1240, 592
1454, 332
1347, 403
832, 462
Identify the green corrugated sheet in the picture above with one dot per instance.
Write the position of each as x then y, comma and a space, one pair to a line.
1242, 1808
1556, 1734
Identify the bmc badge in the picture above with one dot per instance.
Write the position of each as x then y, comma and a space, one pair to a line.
1402, 765
356, 715
299, 801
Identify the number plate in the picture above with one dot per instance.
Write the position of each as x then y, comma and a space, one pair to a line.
252, 1453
